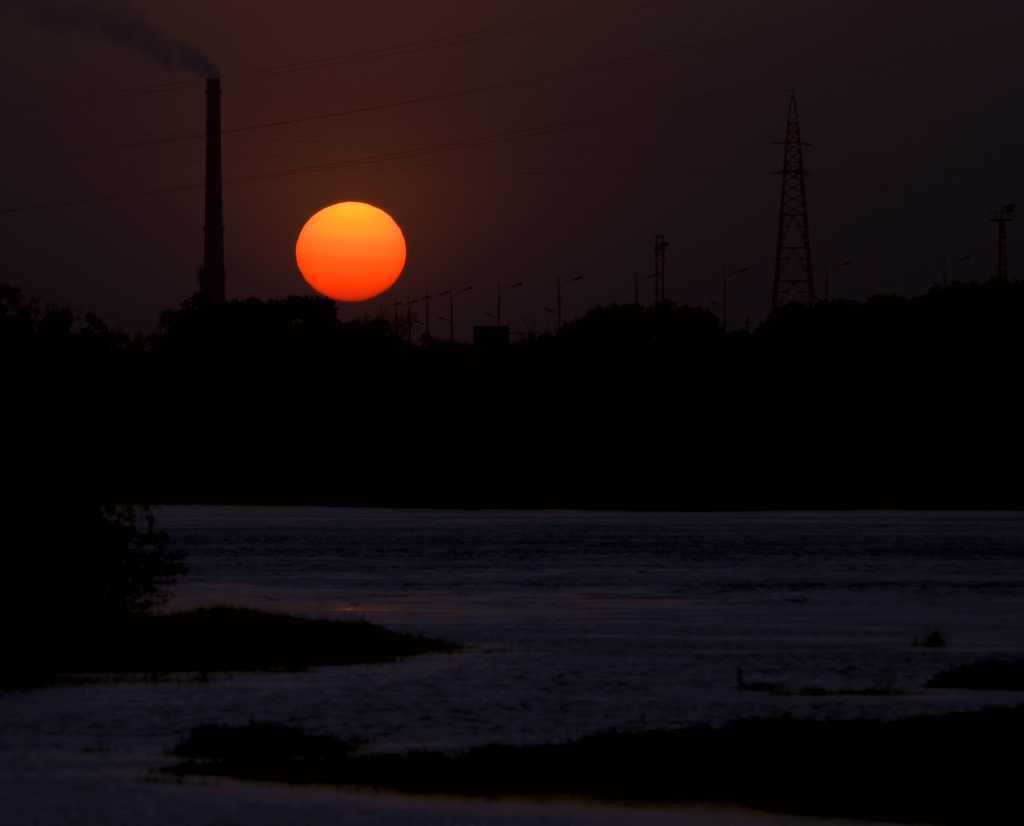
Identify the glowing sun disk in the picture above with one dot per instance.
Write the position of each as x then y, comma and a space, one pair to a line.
350, 251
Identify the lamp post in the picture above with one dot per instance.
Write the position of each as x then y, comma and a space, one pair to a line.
395, 307
636, 285
451, 309
725, 294
408, 313
719, 305
426, 313
945, 268
497, 318
829, 269
560, 283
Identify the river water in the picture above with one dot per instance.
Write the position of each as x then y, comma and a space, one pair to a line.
573, 622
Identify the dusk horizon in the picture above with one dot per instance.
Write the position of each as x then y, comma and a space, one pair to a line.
555, 143
578, 412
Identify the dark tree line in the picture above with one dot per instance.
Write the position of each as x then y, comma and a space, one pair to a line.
892, 402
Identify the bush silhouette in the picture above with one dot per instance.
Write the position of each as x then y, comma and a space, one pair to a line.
71, 570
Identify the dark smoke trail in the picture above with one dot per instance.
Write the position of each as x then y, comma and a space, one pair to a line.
119, 23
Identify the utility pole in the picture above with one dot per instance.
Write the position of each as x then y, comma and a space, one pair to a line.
659, 268
1001, 216
793, 219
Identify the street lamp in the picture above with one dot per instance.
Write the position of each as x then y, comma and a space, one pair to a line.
408, 313
725, 293
451, 309
426, 313
497, 318
829, 269
636, 285
945, 268
559, 282
397, 304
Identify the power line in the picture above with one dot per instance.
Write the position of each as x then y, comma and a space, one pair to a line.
478, 35
904, 162
842, 15
471, 37
870, 7
901, 189
694, 100
541, 170
104, 150
864, 64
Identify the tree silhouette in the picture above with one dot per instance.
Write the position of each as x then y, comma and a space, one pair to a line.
83, 564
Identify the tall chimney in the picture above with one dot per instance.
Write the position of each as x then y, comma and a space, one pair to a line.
211, 274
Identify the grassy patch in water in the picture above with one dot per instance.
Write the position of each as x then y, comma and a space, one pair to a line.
984, 675
262, 741
953, 769
213, 639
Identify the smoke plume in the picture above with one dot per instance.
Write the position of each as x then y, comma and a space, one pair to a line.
119, 23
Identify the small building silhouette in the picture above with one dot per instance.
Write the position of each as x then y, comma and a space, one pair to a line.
490, 340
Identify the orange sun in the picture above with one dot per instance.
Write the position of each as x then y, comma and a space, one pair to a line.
350, 251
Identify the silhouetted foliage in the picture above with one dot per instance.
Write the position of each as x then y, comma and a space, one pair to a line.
955, 769
935, 639
74, 563
230, 639
258, 741
984, 675
893, 402
72, 573
80, 584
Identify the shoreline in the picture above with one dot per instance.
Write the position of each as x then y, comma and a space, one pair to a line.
943, 769
208, 640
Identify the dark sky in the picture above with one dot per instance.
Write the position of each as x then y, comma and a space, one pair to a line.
913, 110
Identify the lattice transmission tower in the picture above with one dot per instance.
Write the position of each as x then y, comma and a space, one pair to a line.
1001, 216
659, 268
793, 281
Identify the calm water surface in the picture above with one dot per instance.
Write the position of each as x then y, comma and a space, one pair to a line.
574, 622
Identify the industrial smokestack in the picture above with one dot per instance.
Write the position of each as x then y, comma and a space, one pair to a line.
211, 274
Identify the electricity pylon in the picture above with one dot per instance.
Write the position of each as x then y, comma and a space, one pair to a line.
793, 282
659, 268
1001, 216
